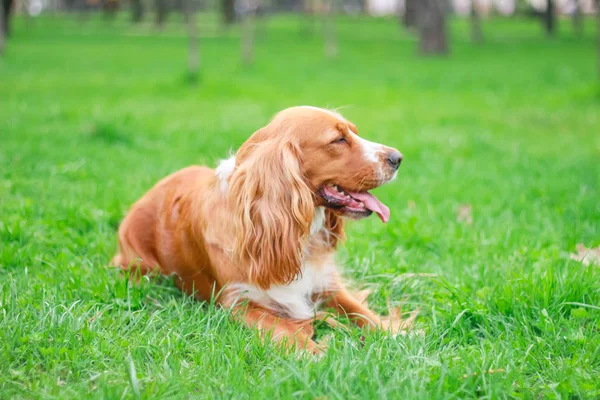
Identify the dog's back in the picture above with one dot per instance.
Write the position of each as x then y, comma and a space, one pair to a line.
145, 235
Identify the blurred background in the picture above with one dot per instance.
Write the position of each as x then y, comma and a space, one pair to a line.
427, 20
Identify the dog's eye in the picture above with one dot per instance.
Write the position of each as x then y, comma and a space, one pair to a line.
340, 140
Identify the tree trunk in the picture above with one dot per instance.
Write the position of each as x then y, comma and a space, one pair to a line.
432, 27
577, 19
248, 33
70, 5
308, 17
161, 12
410, 13
82, 11
476, 33
598, 34
228, 8
550, 18
110, 8
331, 48
2, 36
7, 6
137, 11
193, 41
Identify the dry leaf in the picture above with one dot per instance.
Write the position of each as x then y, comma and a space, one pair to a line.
93, 318
464, 214
412, 205
361, 340
587, 256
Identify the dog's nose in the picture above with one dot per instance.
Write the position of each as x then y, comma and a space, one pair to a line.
395, 158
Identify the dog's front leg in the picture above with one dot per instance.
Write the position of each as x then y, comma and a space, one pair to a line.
346, 304
291, 333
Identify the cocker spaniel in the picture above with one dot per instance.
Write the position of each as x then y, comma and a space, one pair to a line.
260, 231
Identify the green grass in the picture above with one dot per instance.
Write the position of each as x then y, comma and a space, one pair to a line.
91, 115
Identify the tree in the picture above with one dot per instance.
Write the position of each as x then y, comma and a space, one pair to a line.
476, 33
248, 31
309, 20
228, 9
161, 12
431, 21
2, 38
7, 6
331, 48
598, 33
193, 40
410, 13
550, 18
111, 7
137, 11
577, 18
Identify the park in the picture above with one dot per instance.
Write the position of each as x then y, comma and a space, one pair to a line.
495, 214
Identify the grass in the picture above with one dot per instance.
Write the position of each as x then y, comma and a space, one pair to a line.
92, 114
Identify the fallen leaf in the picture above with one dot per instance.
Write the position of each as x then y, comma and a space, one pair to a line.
93, 318
586, 256
412, 205
464, 214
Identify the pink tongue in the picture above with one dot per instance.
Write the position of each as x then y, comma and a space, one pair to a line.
372, 203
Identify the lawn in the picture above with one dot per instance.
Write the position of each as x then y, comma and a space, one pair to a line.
93, 113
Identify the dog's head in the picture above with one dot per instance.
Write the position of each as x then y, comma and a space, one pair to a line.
304, 158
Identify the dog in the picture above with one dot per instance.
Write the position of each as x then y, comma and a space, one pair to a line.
259, 232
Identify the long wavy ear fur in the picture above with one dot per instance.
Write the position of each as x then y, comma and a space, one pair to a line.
272, 209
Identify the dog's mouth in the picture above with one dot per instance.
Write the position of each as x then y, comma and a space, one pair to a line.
353, 204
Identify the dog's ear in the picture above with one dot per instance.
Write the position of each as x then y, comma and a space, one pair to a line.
272, 209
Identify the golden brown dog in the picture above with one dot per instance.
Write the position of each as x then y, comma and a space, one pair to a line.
262, 228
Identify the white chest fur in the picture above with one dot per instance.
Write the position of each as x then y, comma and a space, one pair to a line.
296, 299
